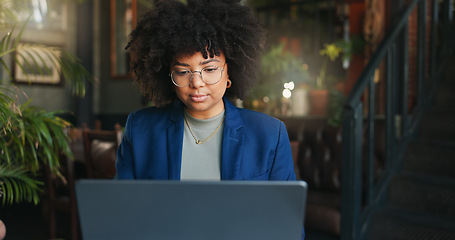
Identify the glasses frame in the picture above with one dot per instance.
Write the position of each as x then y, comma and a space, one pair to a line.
200, 74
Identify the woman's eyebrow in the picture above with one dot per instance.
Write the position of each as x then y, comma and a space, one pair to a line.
181, 64
209, 61
177, 63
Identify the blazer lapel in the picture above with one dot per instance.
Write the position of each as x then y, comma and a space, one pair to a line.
174, 142
233, 139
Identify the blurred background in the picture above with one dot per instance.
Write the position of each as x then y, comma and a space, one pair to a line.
366, 83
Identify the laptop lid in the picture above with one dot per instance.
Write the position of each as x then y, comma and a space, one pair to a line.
146, 209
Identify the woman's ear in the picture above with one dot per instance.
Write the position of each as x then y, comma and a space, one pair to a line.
229, 83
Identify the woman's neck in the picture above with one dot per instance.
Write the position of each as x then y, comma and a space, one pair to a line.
206, 114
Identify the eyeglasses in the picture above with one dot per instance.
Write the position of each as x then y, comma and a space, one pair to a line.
182, 77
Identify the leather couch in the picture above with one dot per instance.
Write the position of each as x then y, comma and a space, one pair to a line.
319, 164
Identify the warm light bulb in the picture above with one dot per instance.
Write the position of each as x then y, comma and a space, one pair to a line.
287, 93
291, 86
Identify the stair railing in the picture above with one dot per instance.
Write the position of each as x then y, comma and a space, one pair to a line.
362, 191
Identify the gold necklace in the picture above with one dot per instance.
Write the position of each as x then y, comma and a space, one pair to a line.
206, 139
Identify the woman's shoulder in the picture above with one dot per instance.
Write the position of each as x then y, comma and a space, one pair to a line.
259, 126
153, 114
249, 116
148, 112
258, 118
255, 114
152, 110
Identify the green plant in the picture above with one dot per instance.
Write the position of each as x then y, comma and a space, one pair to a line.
278, 67
337, 98
331, 52
335, 107
30, 138
355, 45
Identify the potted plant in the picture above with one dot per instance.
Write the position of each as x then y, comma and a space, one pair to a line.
337, 92
30, 137
319, 94
278, 67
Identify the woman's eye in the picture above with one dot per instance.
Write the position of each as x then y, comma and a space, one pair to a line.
210, 69
181, 72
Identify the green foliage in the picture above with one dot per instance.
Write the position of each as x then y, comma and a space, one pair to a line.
351, 47
277, 61
40, 136
335, 107
30, 138
336, 97
16, 185
278, 67
330, 51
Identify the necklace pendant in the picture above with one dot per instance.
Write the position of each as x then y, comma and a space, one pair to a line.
198, 142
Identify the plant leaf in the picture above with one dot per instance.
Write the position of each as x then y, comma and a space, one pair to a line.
18, 186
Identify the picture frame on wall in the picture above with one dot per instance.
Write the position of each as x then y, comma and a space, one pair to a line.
123, 19
37, 64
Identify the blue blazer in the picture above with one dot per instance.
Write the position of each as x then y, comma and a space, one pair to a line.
255, 146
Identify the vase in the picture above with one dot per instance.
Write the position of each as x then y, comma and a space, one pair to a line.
300, 105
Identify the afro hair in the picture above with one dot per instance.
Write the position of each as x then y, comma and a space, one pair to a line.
208, 26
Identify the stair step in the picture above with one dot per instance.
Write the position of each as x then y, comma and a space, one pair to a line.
430, 157
394, 223
444, 97
422, 193
438, 125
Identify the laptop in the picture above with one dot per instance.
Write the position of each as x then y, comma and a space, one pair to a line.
199, 210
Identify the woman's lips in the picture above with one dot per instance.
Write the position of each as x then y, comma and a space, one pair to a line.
198, 98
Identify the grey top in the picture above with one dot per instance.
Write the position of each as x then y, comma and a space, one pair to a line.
202, 161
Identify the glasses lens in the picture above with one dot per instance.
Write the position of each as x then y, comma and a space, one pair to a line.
181, 77
211, 74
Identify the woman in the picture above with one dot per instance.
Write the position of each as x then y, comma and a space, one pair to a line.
189, 59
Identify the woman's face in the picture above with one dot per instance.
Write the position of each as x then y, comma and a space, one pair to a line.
202, 100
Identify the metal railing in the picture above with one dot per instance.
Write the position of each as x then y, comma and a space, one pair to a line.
362, 190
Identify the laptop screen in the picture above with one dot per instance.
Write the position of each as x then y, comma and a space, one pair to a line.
146, 209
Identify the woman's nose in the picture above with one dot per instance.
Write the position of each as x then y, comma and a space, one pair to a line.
197, 81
